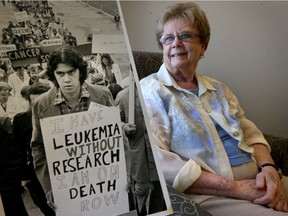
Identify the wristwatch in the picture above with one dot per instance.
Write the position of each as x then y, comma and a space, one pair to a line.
272, 165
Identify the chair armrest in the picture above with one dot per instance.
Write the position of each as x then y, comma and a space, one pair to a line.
183, 205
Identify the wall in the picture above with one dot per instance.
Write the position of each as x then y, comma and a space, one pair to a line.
248, 51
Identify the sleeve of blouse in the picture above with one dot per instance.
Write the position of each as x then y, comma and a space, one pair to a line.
179, 173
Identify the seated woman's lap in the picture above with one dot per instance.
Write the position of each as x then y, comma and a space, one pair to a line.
245, 171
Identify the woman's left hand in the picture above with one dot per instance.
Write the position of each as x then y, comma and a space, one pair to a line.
274, 197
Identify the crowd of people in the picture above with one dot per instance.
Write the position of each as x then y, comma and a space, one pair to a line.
41, 24
44, 25
17, 162
69, 91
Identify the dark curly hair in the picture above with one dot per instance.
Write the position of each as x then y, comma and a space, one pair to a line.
69, 56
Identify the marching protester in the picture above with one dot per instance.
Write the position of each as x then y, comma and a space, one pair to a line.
17, 80
7, 102
144, 189
11, 164
70, 93
33, 73
22, 132
110, 70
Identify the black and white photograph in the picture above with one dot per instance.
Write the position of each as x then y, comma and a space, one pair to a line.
135, 108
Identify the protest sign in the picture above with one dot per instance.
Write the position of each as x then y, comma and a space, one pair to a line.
86, 162
4, 48
21, 31
21, 16
109, 44
24, 56
51, 42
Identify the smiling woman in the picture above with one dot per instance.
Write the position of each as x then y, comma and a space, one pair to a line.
184, 39
206, 144
240, 51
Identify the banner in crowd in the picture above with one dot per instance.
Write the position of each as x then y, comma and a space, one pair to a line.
109, 44
21, 16
40, 54
4, 48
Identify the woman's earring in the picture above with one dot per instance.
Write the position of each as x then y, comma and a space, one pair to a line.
163, 60
202, 56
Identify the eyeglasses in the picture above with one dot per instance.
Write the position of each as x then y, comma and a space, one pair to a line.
183, 36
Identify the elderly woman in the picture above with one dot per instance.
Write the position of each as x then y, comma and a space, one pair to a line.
207, 147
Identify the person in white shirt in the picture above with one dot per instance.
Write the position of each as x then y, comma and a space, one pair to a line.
7, 103
16, 80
